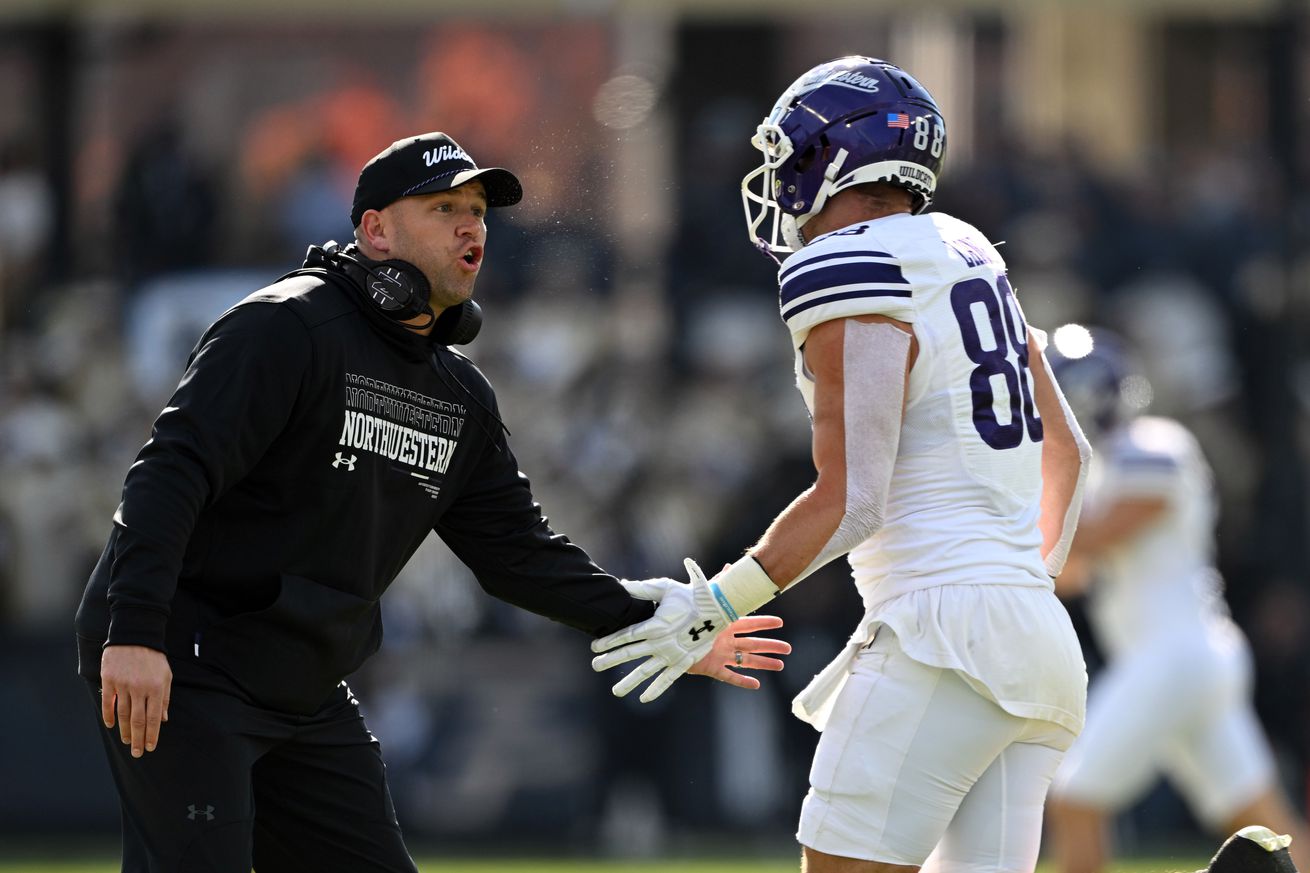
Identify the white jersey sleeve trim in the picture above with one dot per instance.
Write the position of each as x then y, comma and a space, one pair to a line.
837, 293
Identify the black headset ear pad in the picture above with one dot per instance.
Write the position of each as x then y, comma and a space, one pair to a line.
458, 325
401, 290
397, 287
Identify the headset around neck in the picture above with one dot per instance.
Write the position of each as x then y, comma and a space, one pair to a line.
399, 290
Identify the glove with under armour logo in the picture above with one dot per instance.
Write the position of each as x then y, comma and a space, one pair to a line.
684, 626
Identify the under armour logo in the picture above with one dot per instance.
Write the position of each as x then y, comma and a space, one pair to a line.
695, 632
382, 295
207, 812
349, 462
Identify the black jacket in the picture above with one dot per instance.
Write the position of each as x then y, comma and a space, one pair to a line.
310, 448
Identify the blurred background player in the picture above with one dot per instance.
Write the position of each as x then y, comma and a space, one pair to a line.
1176, 696
948, 468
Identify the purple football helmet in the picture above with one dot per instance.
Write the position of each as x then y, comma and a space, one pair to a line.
846, 122
1098, 375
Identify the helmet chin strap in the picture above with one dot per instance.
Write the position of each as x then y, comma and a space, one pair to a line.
791, 225
791, 233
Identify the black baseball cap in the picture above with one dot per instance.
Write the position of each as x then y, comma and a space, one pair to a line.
425, 164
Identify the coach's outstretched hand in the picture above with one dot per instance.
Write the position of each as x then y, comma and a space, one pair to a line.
686, 634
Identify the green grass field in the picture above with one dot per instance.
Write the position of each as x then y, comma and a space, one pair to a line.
446, 865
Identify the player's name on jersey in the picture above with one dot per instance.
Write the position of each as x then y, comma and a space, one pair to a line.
973, 254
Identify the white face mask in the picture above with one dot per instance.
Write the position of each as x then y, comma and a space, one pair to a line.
760, 204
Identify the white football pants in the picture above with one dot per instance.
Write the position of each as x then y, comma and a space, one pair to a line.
915, 763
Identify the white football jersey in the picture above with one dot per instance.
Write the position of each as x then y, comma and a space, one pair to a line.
1162, 581
966, 486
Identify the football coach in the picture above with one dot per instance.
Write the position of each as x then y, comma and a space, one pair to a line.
323, 428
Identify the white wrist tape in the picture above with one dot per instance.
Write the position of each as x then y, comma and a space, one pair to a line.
873, 369
1059, 552
742, 588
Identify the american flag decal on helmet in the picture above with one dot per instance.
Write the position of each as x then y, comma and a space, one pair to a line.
898, 119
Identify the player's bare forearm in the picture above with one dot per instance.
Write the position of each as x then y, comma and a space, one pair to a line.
1060, 470
1066, 454
861, 368
1124, 520
1061, 458
799, 533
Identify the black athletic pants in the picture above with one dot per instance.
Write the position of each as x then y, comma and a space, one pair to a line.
231, 786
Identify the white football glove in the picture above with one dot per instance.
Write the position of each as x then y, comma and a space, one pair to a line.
649, 589
679, 634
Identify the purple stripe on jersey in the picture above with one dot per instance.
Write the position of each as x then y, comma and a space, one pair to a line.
863, 273
788, 270
833, 298
1159, 461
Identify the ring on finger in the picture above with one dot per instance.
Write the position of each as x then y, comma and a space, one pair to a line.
737, 656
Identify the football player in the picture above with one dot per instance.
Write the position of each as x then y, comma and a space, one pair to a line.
1175, 697
948, 472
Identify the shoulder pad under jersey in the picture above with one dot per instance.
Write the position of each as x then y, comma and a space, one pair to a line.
841, 274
